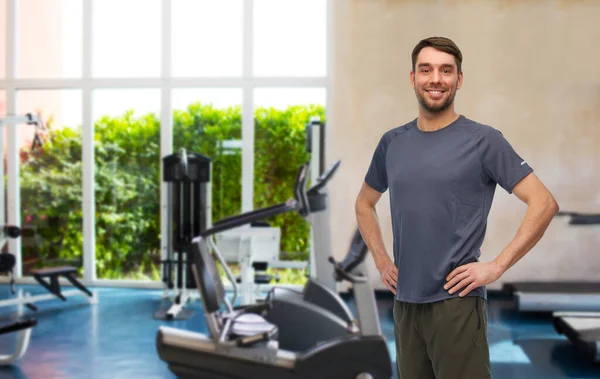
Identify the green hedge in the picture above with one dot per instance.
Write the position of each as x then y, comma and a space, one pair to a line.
127, 184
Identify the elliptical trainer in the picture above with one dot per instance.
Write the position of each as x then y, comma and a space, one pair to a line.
242, 344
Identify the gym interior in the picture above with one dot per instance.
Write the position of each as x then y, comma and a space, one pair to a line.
174, 168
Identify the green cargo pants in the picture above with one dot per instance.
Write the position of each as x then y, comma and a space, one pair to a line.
442, 340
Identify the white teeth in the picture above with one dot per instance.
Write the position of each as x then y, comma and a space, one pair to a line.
436, 92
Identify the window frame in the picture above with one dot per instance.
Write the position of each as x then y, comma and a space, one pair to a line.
166, 83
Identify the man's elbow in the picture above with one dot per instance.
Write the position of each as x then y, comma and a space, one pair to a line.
551, 205
361, 206
555, 206
358, 204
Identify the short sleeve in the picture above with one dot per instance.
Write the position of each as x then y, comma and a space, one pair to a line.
376, 175
501, 162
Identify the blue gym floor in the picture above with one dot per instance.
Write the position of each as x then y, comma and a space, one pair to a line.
116, 339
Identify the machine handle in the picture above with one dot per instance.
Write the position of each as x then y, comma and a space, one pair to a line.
578, 218
325, 177
300, 191
341, 273
576, 214
582, 219
250, 217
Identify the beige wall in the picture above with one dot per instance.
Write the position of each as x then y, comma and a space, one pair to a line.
531, 69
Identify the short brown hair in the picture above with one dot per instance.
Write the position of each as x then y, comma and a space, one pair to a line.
439, 43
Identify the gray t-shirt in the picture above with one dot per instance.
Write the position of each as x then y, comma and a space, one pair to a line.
441, 188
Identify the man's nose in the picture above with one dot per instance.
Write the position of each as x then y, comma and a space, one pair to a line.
436, 77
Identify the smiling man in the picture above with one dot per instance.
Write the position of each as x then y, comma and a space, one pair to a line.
442, 170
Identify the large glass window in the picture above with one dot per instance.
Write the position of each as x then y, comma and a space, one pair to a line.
126, 38
127, 167
97, 76
281, 115
207, 38
51, 49
209, 122
51, 177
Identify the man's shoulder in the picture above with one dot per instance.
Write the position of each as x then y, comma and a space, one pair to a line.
476, 129
397, 131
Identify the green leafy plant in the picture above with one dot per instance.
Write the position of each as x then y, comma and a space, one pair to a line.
127, 184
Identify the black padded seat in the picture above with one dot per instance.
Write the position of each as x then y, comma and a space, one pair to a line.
55, 271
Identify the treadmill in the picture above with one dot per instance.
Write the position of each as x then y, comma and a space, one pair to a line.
569, 296
582, 328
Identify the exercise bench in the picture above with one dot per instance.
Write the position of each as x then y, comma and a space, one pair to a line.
53, 273
49, 279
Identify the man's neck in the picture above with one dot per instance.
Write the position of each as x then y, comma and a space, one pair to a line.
429, 122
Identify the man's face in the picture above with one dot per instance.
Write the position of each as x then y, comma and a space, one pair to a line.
435, 79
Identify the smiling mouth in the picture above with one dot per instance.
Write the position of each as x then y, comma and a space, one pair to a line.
435, 91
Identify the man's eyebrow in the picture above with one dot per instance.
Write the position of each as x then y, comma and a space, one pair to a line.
445, 65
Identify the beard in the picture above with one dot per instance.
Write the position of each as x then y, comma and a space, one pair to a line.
435, 107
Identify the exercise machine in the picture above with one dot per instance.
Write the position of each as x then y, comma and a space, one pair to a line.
188, 210
335, 319
320, 268
242, 344
582, 328
296, 309
21, 328
23, 335
256, 247
570, 296
47, 277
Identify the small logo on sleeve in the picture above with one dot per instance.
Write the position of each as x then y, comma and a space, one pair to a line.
524, 162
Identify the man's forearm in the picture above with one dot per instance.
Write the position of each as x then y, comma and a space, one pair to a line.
534, 225
370, 230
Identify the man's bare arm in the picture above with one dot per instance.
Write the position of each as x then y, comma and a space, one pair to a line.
541, 208
368, 223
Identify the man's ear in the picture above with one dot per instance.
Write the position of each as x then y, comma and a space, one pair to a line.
412, 79
460, 80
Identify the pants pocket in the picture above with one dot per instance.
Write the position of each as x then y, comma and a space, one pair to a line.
480, 335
